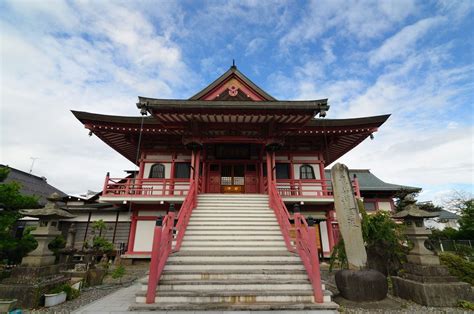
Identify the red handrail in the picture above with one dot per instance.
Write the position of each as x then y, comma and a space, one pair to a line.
163, 240
305, 241
185, 214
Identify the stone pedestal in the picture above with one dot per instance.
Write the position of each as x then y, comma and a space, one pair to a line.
430, 285
423, 280
42, 256
362, 285
29, 284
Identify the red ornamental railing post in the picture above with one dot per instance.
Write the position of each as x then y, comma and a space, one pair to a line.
106, 183
297, 219
314, 259
155, 260
356, 186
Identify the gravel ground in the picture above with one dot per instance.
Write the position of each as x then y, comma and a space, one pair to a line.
91, 294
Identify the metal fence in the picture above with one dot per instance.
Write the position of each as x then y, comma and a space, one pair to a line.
451, 245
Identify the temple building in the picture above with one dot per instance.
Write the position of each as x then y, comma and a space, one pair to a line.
231, 201
228, 138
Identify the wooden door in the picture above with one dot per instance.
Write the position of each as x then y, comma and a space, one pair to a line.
251, 179
214, 183
232, 178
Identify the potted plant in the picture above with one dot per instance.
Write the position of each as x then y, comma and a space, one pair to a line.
7, 305
55, 297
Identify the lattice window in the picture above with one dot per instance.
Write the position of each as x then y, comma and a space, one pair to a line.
306, 172
157, 171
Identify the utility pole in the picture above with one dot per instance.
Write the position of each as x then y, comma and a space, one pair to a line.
33, 159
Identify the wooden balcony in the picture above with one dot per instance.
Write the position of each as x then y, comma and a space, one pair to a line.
120, 189
309, 189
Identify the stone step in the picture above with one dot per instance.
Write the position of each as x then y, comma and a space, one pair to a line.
247, 195
230, 244
233, 204
245, 275
261, 248
225, 252
246, 200
230, 285
237, 296
232, 237
233, 209
213, 213
235, 223
234, 232
242, 220
209, 266
247, 259
280, 307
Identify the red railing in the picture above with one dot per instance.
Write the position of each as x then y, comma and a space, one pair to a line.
305, 241
161, 249
120, 187
163, 239
309, 188
185, 214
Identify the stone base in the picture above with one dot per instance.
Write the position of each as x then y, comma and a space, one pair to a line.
362, 285
34, 275
423, 259
37, 261
431, 293
29, 295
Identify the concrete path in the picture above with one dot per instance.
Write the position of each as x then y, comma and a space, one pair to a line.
119, 301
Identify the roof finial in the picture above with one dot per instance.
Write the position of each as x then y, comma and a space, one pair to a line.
233, 64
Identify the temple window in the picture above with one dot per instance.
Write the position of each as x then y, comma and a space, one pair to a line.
182, 170
157, 171
306, 172
370, 206
282, 171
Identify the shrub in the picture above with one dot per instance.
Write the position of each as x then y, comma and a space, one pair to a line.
118, 272
458, 266
466, 305
102, 244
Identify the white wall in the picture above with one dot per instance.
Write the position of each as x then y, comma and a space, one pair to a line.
105, 216
385, 206
144, 235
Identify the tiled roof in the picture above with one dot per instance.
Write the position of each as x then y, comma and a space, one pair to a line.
369, 182
32, 185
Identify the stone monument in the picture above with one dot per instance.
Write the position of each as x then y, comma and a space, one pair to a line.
424, 280
38, 272
355, 283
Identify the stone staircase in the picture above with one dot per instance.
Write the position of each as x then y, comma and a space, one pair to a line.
233, 257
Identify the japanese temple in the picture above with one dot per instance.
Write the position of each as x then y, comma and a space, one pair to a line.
231, 200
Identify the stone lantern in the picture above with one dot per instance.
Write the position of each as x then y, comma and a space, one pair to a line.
423, 279
46, 231
413, 218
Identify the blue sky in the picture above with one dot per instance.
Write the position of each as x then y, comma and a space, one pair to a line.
413, 59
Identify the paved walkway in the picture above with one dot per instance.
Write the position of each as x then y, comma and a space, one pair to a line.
119, 301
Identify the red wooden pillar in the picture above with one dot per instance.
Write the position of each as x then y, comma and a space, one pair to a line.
269, 171
133, 230
193, 158
260, 170
314, 260
197, 165
204, 170
155, 261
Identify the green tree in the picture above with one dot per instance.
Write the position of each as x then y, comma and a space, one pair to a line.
11, 200
383, 239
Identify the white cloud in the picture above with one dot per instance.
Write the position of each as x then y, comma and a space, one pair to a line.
91, 56
360, 19
403, 43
